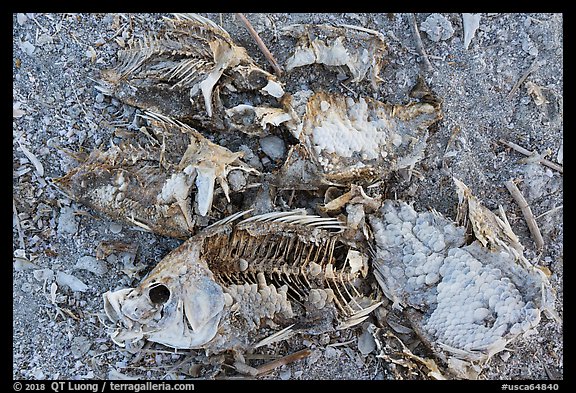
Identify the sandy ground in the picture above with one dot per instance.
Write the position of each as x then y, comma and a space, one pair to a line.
57, 330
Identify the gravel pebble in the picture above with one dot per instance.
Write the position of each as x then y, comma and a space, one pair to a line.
92, 265
75, 284
67, 223
273, 147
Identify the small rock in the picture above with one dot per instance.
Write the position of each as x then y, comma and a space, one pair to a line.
26, 287
27, 47
64, 279
285, 374
24, 264
324, 339
115, 228
273, 147
250, 158
80, 346
67, 221
560, 154
505, 356
366, 343
92, 265
44, 39
236, 180
331, 352
43, 274
313, 358
21, 18
437, 27
529, 47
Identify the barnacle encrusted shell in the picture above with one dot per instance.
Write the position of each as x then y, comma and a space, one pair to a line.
350, 139
159, 180
192, 72
278, 270
473, 299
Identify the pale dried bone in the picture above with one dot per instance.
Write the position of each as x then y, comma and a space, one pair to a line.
492, 231
560, 154
471, 24
535, 92
360, 49
263, 118
183, 72
356, 195
33, 159
277, 247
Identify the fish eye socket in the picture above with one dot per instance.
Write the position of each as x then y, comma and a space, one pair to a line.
159, 294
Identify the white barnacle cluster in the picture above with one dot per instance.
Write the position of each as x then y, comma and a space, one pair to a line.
319, 298
347, 129
413, 245
473, 300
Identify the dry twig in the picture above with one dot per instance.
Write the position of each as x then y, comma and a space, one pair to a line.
419, 45
533, 67
18, 226
261, 44
527, 212
526, 152
265, 368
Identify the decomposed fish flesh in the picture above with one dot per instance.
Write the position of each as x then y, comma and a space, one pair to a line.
154, 179
359, 49
191, 72
281, 270
350, 140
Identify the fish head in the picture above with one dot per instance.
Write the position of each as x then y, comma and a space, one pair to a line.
178, 304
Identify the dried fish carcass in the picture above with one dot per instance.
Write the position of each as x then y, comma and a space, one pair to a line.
192, 72
358, 139
467, 300
154, 178
360, 49
276, 270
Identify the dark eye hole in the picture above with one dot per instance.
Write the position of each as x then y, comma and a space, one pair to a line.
159, 294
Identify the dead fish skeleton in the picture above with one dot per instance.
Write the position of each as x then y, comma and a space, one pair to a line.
360, 49
217, 288
191, 72
161, 178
